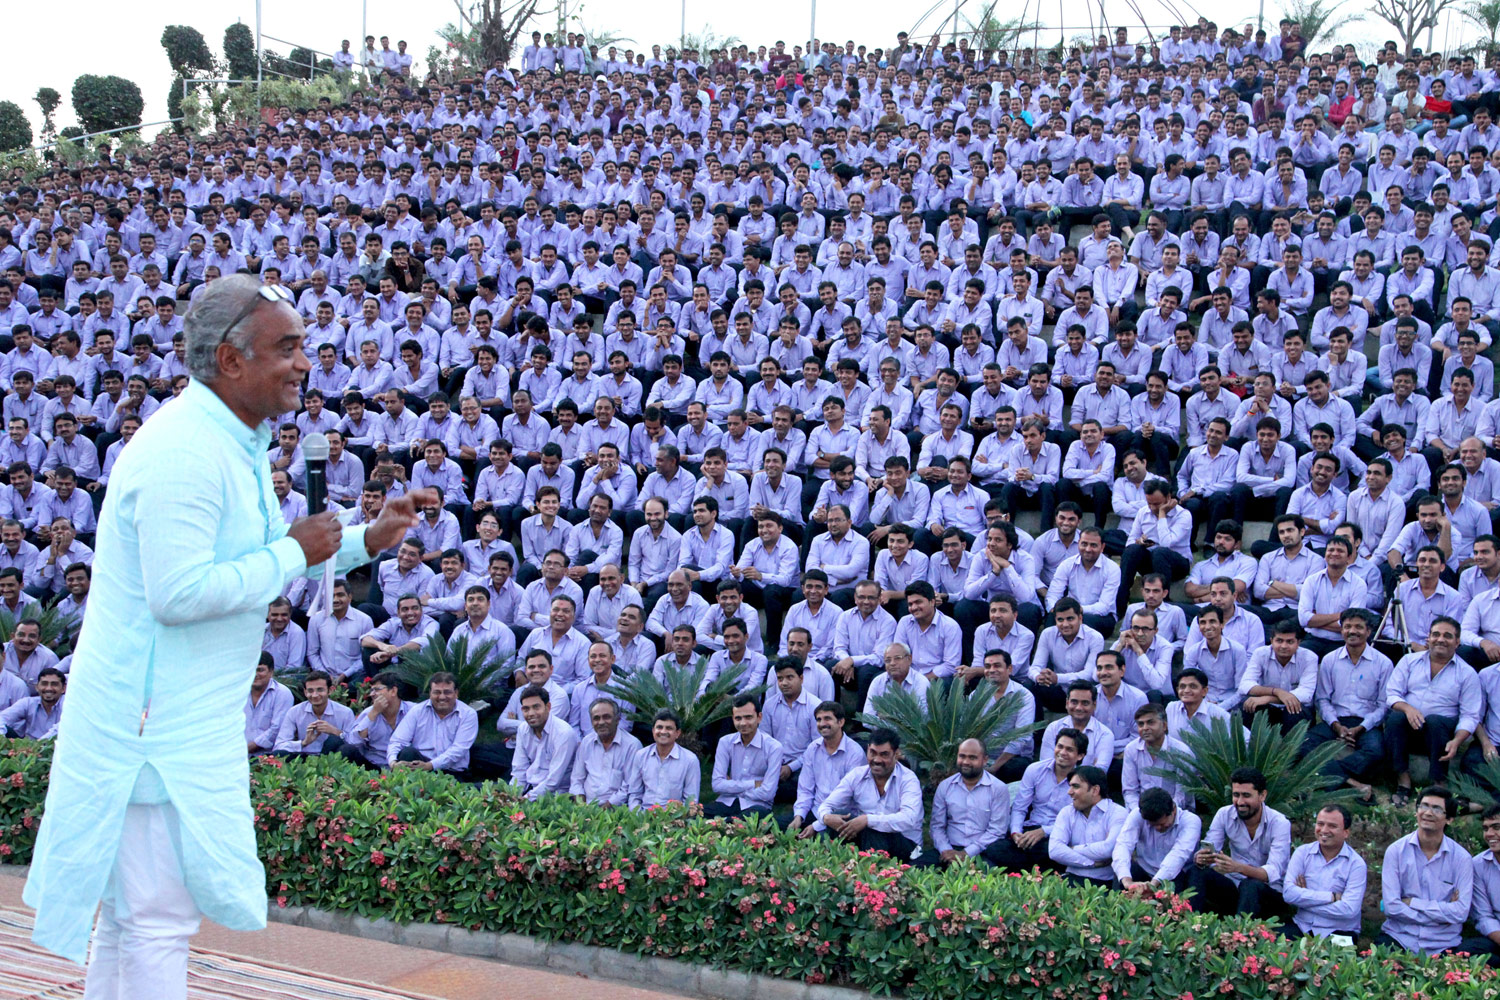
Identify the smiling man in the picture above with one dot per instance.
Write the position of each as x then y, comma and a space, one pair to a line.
148, 808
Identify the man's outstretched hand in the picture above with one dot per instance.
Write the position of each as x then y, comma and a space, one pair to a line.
397, 518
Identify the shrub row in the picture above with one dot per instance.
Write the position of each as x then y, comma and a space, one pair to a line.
414, 846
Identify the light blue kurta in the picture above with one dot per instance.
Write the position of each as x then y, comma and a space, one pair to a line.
192, 547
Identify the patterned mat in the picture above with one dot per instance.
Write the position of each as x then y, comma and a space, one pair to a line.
30, 973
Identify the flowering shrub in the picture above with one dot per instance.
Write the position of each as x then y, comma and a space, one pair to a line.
415, 846
24, 765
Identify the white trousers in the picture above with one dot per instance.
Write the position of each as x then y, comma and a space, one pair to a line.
140, 947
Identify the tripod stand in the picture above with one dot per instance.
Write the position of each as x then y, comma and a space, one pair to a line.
1395, 615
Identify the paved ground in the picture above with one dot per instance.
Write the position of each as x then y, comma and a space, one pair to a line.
449, 977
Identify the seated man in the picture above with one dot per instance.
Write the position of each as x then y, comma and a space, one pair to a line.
438, 734
1081, 703
601, 766
878, 806
1065, 653
1247, 877
1143, 753
267, 702
1279, 679
307, 726
537, 671
747, 765
1426, 881
970, 809
1325, 880
1009, 761
1432, 697
405, 632
1085, 831
36, 717
545, 745
1486, 908
1157, 541
822, 766
366, 742
1351, 702
1155, 843
664, 772
1042, 794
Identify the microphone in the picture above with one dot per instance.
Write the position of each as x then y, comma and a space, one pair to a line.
315, 456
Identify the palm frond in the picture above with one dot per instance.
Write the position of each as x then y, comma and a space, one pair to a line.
58, 629
1485, 14
1216, 750
1481, 785
931, 730
479, 676
696, 703
1320, 19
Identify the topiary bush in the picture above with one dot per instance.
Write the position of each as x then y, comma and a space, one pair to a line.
106, 102
15, 130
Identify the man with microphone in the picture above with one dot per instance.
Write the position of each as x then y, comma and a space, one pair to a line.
148, 807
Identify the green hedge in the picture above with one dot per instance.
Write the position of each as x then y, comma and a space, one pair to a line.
413, 846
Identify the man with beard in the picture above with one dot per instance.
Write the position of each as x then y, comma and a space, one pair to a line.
970, 809
1246, 877
37, 717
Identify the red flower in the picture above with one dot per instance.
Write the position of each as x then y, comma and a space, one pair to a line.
377, 858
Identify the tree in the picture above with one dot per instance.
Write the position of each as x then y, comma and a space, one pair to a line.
487, 30
103, 103
703, 42
239, 51
187, 52
1485, 14
1319, 19
302, 63
1410, 17
990, 34
48, 100
188, 55
15, 130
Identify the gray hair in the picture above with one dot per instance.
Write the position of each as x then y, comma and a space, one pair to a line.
204, 327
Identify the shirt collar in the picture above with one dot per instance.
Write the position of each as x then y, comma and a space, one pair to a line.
253, 440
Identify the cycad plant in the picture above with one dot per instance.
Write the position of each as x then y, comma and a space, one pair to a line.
1217, 749
930, 734
58, 628
1479, 785
679, 689
480, 677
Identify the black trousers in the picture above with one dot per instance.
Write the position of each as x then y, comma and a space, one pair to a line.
726, 810
413, 754
1208, 511
1431, 738
1279, 716
1142, 559
1003, 853
1221, 895
1367, 755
